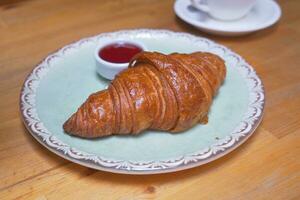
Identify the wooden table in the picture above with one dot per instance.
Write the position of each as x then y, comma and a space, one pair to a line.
267, 166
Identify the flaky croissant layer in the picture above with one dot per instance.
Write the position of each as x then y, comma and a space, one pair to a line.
160, 92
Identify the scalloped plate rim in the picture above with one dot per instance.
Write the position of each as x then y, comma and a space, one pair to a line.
124, 166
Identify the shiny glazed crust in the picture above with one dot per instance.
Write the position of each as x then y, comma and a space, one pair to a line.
161, 92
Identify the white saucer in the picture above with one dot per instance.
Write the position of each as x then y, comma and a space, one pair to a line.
264, 14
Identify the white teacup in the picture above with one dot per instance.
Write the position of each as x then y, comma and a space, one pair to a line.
224, 9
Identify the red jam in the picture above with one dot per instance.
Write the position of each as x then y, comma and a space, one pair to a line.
119, 52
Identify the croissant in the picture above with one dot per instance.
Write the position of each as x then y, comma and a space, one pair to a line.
159, 92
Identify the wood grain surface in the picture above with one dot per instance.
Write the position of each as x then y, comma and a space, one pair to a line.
267, 166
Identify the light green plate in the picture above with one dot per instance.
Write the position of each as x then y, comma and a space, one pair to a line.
62, 82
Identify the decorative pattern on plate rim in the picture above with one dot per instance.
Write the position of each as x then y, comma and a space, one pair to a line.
223, 146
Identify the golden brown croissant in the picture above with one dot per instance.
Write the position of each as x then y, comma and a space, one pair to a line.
161, 92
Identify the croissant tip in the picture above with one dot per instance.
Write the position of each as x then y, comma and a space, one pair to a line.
74, 129
67, 126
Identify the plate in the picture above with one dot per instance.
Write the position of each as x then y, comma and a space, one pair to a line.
63, 80
264, 14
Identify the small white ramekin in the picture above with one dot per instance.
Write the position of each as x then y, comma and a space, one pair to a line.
107, 69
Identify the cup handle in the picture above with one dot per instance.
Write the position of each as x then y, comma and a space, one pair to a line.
200, 5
